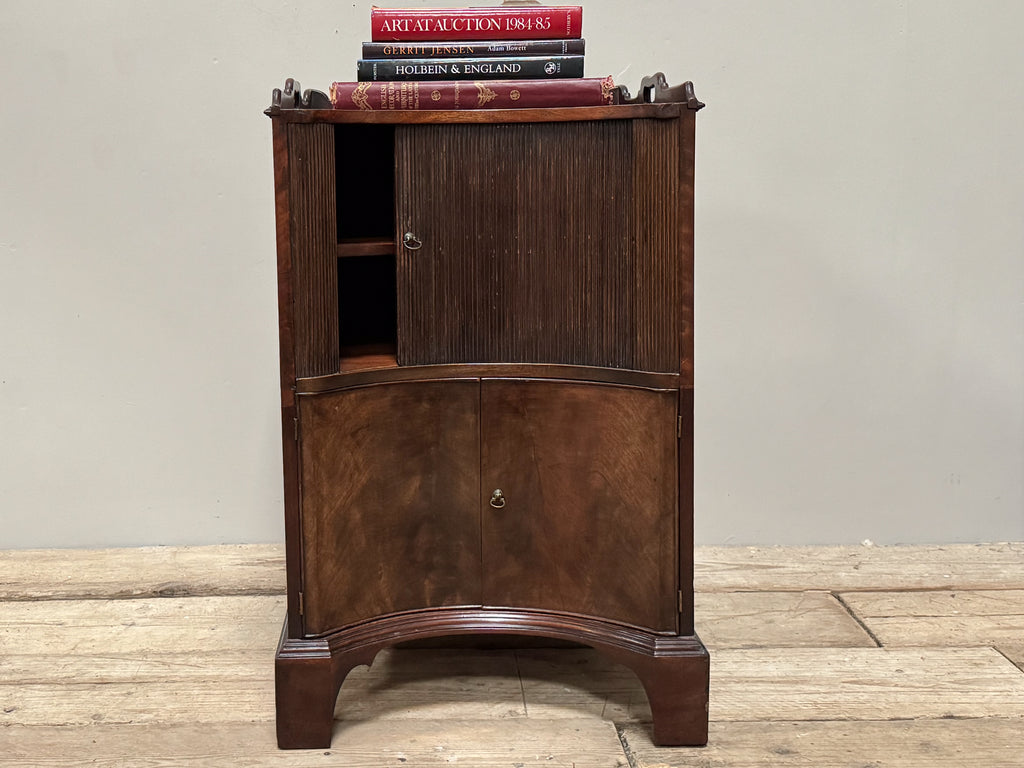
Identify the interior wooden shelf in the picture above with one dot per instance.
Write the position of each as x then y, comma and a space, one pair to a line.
366, 246
368, 357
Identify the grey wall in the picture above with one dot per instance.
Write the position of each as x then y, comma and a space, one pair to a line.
860, 250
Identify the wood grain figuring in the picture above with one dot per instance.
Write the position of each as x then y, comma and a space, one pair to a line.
143, 626
91, 574
178, 681
933, 604
777, 620
525, 258
590, 518
845, 569
314, 248
365, 358
141, 666
941, 618
418, 743
795, 684
390, 512
978, 742
366, 246
864, 684
237, 699
258, 569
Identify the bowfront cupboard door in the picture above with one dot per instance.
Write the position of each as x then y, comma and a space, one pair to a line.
539, 243
518, 493
390, 500
587, 522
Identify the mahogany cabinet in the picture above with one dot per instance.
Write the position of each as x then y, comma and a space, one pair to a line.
486, 327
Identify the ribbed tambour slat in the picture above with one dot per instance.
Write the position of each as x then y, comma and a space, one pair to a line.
658, 206
314, 248
537, 244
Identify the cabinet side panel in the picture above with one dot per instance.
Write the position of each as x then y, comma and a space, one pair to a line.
588, 477
658, 209
686, 611
314, 248
687, 126
285, 308
390, 507
687, 129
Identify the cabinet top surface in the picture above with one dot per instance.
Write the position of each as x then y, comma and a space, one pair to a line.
655, 100
547, 115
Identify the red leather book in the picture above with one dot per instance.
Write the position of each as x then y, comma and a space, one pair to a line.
515, 23
461, 94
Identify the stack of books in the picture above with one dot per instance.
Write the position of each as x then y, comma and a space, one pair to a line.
510, 57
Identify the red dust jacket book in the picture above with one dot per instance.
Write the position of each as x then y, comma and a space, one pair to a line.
460, 94
504, 23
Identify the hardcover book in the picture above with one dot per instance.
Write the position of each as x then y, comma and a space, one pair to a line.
500, 68
450, 49
503, 23
462, 94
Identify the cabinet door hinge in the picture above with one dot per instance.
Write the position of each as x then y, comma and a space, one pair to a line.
302, 604
679, 427
679, 597
295, 422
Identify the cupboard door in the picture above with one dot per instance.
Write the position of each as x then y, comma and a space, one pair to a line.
390, 500
540, 243
587, 517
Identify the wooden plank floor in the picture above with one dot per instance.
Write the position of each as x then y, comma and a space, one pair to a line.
823, 656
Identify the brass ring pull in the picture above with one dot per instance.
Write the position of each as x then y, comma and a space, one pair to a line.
412, 242
498, 499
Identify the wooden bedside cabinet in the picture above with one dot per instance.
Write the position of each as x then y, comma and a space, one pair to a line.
486, 326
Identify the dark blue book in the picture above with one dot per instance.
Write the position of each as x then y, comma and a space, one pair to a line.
465, 49
497, 68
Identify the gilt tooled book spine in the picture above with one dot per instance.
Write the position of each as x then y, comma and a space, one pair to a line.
452, 49
517, 23
502, 68
461, 94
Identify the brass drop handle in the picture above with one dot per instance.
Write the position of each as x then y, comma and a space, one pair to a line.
412, 242
498, 499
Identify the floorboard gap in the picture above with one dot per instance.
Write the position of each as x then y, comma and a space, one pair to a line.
999, 650
626, 749
853, 615
522, 687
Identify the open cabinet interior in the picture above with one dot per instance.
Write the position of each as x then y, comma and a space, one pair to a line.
367, 306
